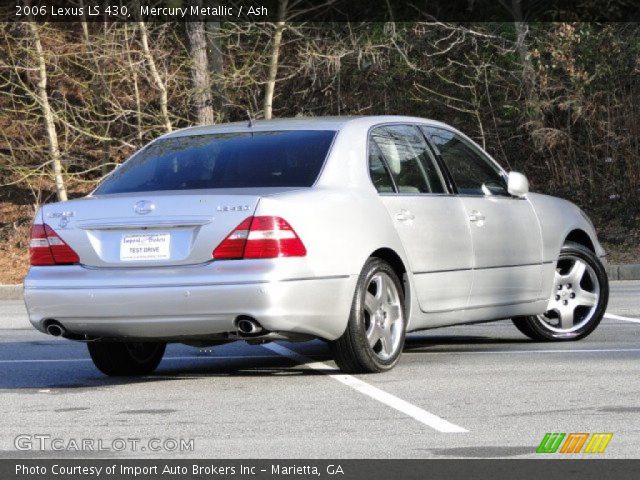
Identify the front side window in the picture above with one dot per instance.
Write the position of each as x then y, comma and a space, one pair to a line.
471, 172
287, 158
405, 154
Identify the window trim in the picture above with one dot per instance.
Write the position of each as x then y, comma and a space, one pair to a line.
446, 174
443, 177
386, 167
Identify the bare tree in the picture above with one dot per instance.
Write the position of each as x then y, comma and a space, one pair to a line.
216, 67
136, 89
101, 89
47, 114
202, 97
159, 83
273, 62
528, 72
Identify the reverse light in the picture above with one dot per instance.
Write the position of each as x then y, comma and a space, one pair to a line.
261, 237
47, 248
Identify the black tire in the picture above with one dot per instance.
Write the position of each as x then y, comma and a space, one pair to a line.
126, 359
352, 352
534, 328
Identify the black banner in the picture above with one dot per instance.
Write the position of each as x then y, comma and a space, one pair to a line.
547, 469
320, 10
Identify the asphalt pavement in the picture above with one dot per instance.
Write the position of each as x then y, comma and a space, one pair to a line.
477, 391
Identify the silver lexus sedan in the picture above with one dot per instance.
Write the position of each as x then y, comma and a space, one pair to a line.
354, 230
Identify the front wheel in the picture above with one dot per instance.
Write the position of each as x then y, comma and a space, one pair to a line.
578, 300
123, 359
374, 337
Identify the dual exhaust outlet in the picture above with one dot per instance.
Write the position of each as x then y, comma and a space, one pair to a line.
248, 327
55, 329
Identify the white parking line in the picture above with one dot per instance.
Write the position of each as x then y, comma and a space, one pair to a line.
611, 316
392, 401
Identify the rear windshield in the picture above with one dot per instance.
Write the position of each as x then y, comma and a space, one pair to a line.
229, 160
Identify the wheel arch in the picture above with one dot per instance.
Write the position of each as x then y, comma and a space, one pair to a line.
393, 259
581, 237
391, 256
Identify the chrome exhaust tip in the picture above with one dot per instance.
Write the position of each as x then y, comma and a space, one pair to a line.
248, 326
55, 329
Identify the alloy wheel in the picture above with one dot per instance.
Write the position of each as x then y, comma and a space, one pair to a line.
575, 296
383, 316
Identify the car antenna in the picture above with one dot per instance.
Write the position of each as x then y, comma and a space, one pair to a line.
250, 124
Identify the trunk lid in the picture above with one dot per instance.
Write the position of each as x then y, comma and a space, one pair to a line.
153, 229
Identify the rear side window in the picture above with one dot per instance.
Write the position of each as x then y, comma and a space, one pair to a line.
378, 170
232, 160
407, 157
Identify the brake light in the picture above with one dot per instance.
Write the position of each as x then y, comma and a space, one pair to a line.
261, 237
47, 248
233, 245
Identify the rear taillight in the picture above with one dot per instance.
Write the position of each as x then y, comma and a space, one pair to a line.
233, 245
47, 248
261, 237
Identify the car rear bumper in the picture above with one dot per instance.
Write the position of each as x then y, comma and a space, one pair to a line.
317, 306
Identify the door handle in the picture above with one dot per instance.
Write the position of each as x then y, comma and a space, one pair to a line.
476, 216
404, 215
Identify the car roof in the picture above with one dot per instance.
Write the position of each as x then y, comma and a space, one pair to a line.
301, 123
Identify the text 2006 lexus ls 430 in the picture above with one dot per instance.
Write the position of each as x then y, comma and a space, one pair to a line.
352, 230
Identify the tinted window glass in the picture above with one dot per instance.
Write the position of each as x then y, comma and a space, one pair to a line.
378, 170
233, 160
407, 156
472, 174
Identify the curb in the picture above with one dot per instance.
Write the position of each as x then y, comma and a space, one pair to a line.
11, 292
623, 272
11, 318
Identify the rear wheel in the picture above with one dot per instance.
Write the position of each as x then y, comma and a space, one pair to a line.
578, 300
374, 337
121, 359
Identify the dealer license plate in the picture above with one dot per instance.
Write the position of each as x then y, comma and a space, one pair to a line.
142, 247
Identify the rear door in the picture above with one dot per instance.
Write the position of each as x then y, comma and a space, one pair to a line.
506, 236
431, 223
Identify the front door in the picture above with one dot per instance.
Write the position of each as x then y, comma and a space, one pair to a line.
506, 235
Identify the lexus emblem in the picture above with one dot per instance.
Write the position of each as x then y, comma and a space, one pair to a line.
143, 207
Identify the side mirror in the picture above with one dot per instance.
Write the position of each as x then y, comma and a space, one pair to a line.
517, 184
